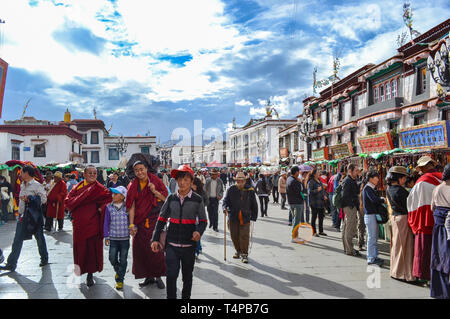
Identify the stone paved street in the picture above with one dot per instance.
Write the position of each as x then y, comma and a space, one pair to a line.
277, 269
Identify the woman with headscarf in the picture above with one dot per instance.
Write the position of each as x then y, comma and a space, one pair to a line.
402, 248
440, 249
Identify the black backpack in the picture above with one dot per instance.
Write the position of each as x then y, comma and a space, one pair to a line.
382, 214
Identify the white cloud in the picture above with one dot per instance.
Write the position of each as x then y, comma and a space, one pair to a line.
244, 102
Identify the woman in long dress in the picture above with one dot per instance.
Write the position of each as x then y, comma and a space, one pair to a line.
402, 248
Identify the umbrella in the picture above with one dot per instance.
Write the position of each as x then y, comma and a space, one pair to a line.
305, 168
214, 164
151, 161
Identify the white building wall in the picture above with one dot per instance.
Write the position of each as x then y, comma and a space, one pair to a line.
6, 146
57, 149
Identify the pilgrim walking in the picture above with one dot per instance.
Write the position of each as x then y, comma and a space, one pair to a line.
241, 207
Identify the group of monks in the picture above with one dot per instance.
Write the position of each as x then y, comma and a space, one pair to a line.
87, 201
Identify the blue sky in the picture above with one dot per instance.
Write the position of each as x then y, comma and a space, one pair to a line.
159, 65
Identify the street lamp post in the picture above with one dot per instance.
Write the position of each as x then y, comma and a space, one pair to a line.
121, 145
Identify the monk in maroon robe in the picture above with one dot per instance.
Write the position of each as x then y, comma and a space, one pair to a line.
87, 201
55, 202
146, 194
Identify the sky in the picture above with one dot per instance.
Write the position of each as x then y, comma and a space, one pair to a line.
154, 66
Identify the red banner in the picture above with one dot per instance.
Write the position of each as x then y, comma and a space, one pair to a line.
3, 70
376, 143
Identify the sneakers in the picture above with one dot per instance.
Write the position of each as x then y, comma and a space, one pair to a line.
377, 261
244, 259
43, 263
119, 285
236, 255
323, 234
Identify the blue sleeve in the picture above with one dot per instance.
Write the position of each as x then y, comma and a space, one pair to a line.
336, 181
370, 194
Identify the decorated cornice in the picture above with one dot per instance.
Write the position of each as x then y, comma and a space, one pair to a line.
422, 55
382, 68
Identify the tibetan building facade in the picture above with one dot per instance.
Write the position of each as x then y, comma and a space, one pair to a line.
378, 108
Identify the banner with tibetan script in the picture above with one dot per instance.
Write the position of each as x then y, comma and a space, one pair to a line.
426, 136
320, 154
376, 143
342, 150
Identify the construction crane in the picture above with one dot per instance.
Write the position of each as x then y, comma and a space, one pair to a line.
25, 108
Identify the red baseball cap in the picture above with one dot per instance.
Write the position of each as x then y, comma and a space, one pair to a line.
182, 168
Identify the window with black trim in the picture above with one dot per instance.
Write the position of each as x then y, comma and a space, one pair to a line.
421, 80
39, 150
95, 157
340, 111
353, 137
372, 129
445, 115
113, 154
85, 157
15, 151
354, 101
419, 119
94, 137
328, 115
145, 150
85, 139
327, 141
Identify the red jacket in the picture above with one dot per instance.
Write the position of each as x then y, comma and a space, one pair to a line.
55, 200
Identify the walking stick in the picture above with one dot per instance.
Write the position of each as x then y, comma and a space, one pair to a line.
56, 219
225, 236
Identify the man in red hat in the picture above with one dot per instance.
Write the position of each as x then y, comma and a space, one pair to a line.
185, 212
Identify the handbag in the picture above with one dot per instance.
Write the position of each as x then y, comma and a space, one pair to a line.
382, 215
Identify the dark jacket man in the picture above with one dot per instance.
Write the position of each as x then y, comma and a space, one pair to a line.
245, 201
350, 193
294, 190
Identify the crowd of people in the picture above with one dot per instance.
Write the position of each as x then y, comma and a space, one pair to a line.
172, 209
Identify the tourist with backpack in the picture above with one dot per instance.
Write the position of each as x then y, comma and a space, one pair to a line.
349, 204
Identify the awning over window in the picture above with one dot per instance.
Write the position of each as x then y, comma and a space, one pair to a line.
380, 117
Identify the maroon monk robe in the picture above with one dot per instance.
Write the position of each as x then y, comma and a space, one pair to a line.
56, 196
84, 202
146, 263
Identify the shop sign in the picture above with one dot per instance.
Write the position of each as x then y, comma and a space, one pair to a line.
426, 136
376, 143
342, 150
320, 154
